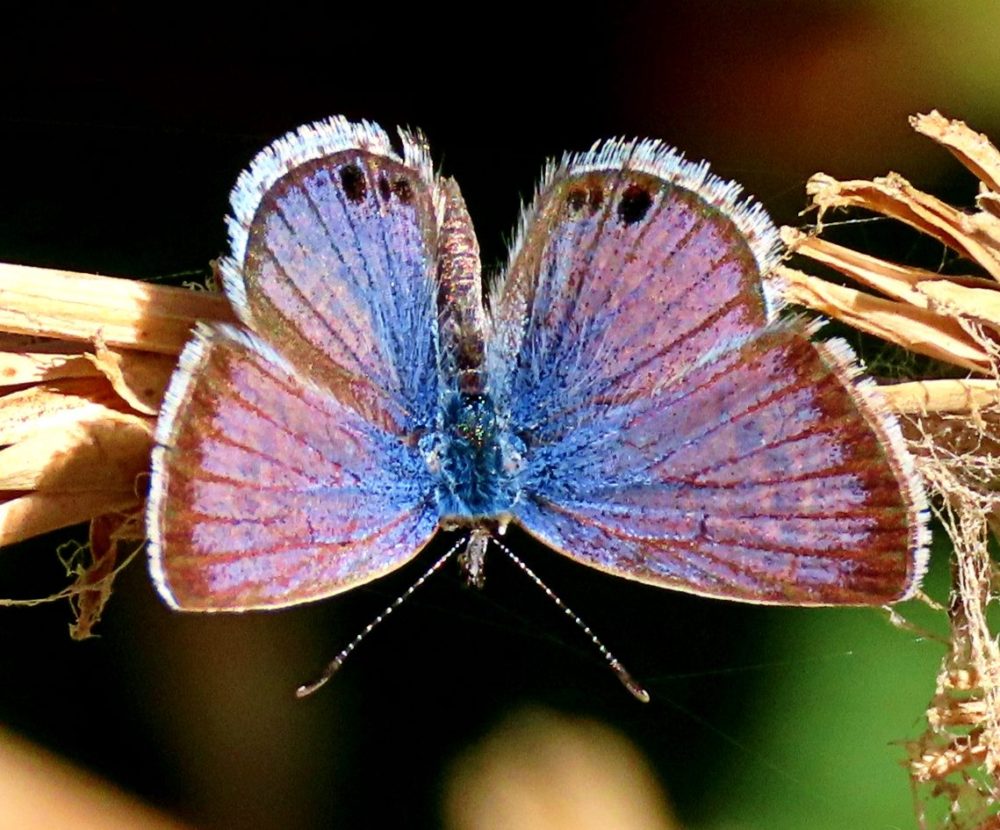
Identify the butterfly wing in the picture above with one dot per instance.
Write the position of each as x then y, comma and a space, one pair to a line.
268, 491
674, 432
287, 466
333, 244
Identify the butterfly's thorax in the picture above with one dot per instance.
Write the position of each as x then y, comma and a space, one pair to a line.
468, 457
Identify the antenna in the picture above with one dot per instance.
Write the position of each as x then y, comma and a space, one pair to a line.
629, 682
332, 667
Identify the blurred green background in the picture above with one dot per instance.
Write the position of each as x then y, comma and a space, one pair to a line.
122, 134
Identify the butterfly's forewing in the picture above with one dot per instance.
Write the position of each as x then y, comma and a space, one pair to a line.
587, 311
286, 466
673, 432
334, 241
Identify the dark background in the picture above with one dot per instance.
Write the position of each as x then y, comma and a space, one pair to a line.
120, 138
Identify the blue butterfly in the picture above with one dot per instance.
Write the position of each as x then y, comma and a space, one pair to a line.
629, 395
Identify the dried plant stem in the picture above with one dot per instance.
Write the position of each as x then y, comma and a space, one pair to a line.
125, 313
927, 396
953, 427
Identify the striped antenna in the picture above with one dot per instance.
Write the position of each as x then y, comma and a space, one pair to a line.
334, 665
629, 682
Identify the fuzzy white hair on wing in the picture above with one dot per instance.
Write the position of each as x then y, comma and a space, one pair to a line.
660, 160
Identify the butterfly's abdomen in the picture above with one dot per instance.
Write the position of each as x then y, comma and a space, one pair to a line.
461, 321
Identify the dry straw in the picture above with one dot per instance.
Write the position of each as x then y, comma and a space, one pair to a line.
952, 427
84, 361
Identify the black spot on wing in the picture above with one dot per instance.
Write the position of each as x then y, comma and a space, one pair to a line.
403, 190
352, 179
635, 204
385, 191
576, 198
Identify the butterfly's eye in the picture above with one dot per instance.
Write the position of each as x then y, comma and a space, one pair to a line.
635, 204
353, 182
596, 198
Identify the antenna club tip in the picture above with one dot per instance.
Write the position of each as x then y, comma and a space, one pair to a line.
629, 682
307, 689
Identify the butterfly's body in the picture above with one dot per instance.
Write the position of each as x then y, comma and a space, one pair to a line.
465, 453
631, 398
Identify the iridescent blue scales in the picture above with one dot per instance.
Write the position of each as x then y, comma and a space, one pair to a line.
630, 397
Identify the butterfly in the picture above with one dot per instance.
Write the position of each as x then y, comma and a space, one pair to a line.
629, 395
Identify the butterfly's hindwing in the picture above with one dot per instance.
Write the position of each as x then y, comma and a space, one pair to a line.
268, 491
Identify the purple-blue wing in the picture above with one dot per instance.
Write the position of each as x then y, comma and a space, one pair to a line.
620, 277
674, 432
334, 241
287, 466
270, 492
